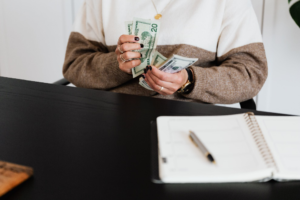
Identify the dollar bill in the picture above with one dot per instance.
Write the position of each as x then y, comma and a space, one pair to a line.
128, 27
147, 31
144, 84
158, 59
172, 65
177, 63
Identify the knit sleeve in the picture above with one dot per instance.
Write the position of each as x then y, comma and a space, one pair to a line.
88, 61
241, 68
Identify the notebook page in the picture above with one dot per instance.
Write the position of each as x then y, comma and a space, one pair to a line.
226, 137
282, 135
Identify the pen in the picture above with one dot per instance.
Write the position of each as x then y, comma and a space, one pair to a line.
201, 147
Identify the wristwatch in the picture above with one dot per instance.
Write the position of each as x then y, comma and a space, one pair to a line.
189, 85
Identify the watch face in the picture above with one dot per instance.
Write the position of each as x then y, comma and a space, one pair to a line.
186, 86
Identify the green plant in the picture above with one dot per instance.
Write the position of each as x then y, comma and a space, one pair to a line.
295, 11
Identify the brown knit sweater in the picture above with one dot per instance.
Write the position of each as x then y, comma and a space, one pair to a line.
234, 72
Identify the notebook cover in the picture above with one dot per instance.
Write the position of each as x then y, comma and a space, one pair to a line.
12, 175
154, 154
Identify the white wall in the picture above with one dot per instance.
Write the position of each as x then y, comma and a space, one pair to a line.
258, 6
34, 34
281, 93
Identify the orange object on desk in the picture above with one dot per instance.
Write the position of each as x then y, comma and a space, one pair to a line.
12, 175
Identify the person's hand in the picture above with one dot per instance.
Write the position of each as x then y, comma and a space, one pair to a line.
165, 83
125, 56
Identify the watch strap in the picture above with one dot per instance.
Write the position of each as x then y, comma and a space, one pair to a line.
188, 86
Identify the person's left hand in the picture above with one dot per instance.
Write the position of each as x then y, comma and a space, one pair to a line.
165, 83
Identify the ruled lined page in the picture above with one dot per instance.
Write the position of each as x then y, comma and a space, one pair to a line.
226, 137
283, 137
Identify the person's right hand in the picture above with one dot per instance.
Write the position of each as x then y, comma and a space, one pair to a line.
125, 56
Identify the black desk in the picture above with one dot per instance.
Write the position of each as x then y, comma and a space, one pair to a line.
87, 144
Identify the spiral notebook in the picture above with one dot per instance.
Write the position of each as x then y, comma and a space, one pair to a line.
246, 148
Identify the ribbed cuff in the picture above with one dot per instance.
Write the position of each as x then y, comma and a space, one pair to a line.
198, 91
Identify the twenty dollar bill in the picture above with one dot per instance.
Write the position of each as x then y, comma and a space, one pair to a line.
147, 31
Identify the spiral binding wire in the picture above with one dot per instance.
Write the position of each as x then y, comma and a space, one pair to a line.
260, 140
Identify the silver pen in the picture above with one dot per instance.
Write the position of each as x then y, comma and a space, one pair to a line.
201, 147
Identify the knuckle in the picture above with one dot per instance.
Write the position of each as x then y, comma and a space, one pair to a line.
126, 55
138, 62
163, 77
133, 63
124, 47
158, 82
122, 38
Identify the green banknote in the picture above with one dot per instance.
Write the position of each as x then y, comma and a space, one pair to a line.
172, 65
147, 31
176, 64
144, 84
128, 27
158, 59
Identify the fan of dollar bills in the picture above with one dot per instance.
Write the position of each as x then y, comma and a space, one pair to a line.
147, 31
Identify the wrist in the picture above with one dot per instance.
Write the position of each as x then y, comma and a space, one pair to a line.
188, 86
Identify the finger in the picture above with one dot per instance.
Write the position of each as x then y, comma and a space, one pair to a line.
162, 75
157, 88
130, 55
170, 86
130, 64
127, 38
131, 46
126, 70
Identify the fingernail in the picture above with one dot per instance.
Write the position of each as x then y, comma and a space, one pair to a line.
141, 55
142, 46
143, 76
150, 68
136, 38
145, 71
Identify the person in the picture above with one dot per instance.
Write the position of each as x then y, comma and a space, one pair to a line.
223, 34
